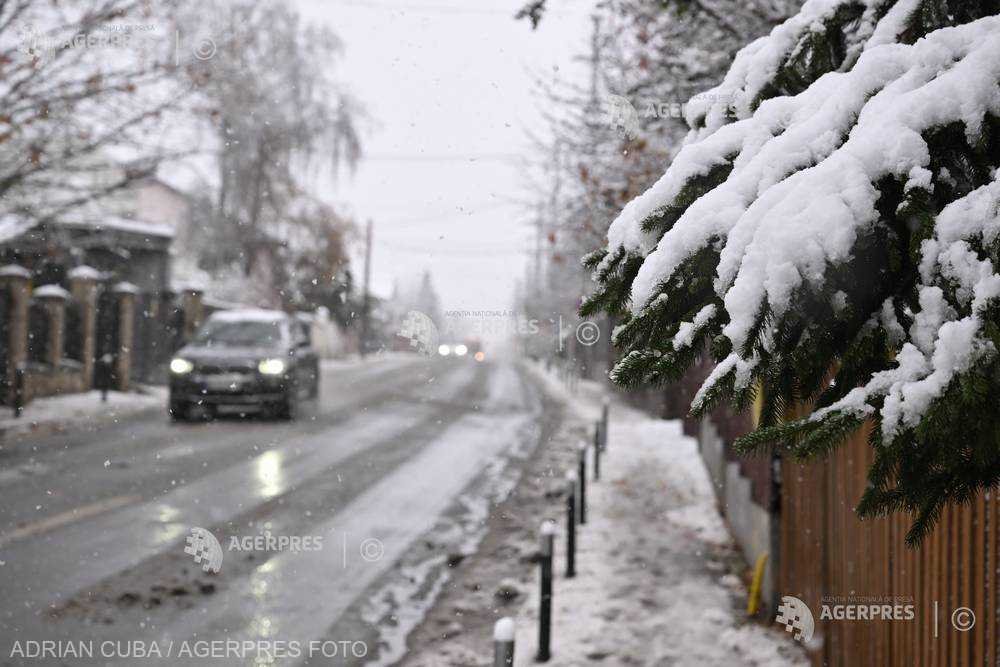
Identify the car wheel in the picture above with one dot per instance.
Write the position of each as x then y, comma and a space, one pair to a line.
178, 411
288, 409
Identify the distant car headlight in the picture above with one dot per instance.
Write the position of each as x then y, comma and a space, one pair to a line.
180, 366
444, 350
271, 367
460, 350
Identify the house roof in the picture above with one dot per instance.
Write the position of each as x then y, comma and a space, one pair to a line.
120, 224
11, 227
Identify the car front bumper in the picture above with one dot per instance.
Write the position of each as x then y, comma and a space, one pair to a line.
228, 390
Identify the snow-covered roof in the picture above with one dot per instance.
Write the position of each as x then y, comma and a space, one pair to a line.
50, 292
120, 224
12, 227
14, 271
84, 272
249, 315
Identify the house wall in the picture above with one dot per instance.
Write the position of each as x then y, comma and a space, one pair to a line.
750, 522
157, 203
743, 485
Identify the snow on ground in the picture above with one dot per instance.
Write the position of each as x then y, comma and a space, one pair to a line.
355, 360
651, 585
57, 412
401, 603
659, 579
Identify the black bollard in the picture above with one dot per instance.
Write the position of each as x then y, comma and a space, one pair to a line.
604, 425
597, 452
545, 599
581, 480
571, 489
103, 375
18, 391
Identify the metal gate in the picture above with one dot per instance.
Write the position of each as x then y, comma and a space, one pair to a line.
108, 326
39, 327
74, 334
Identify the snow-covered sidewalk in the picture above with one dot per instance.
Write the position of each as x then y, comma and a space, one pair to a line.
655, 563
655, 582
56, 413
659, 581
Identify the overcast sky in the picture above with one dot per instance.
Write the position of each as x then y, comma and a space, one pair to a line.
448, 84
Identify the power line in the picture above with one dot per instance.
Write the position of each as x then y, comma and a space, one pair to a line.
453, 214
431, 9
444, 157
447, 9
450, 252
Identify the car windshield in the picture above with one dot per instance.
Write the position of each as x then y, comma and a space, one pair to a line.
239, 333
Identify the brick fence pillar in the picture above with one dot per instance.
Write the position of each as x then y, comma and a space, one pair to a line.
126, 293
54, 298
83, 286
16, 279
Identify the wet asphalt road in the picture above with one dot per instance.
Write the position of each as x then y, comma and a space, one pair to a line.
93, 522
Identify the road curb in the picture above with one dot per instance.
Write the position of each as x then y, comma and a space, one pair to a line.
13, 436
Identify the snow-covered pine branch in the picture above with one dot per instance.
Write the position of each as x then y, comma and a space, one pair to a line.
834, 209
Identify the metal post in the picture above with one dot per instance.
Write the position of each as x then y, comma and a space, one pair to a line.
597, 451
105, 369
366, 297
581, 476
18, 391
545, 599
604, 425
503, 642
571, 488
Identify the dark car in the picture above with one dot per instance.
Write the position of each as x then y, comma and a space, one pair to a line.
244, 361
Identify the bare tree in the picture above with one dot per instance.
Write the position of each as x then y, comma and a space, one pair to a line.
83, 86
276, 114
609, 137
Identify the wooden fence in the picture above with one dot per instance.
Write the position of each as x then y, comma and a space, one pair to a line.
826, 551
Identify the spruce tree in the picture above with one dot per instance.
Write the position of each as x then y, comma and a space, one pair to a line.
829, 233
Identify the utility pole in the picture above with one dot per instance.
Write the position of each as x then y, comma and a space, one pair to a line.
366, 302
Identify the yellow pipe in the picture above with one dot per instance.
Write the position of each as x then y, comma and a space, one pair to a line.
753, 602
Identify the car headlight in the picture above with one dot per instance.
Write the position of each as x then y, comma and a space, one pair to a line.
180, 366
444, 350
460, 350
271, 367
